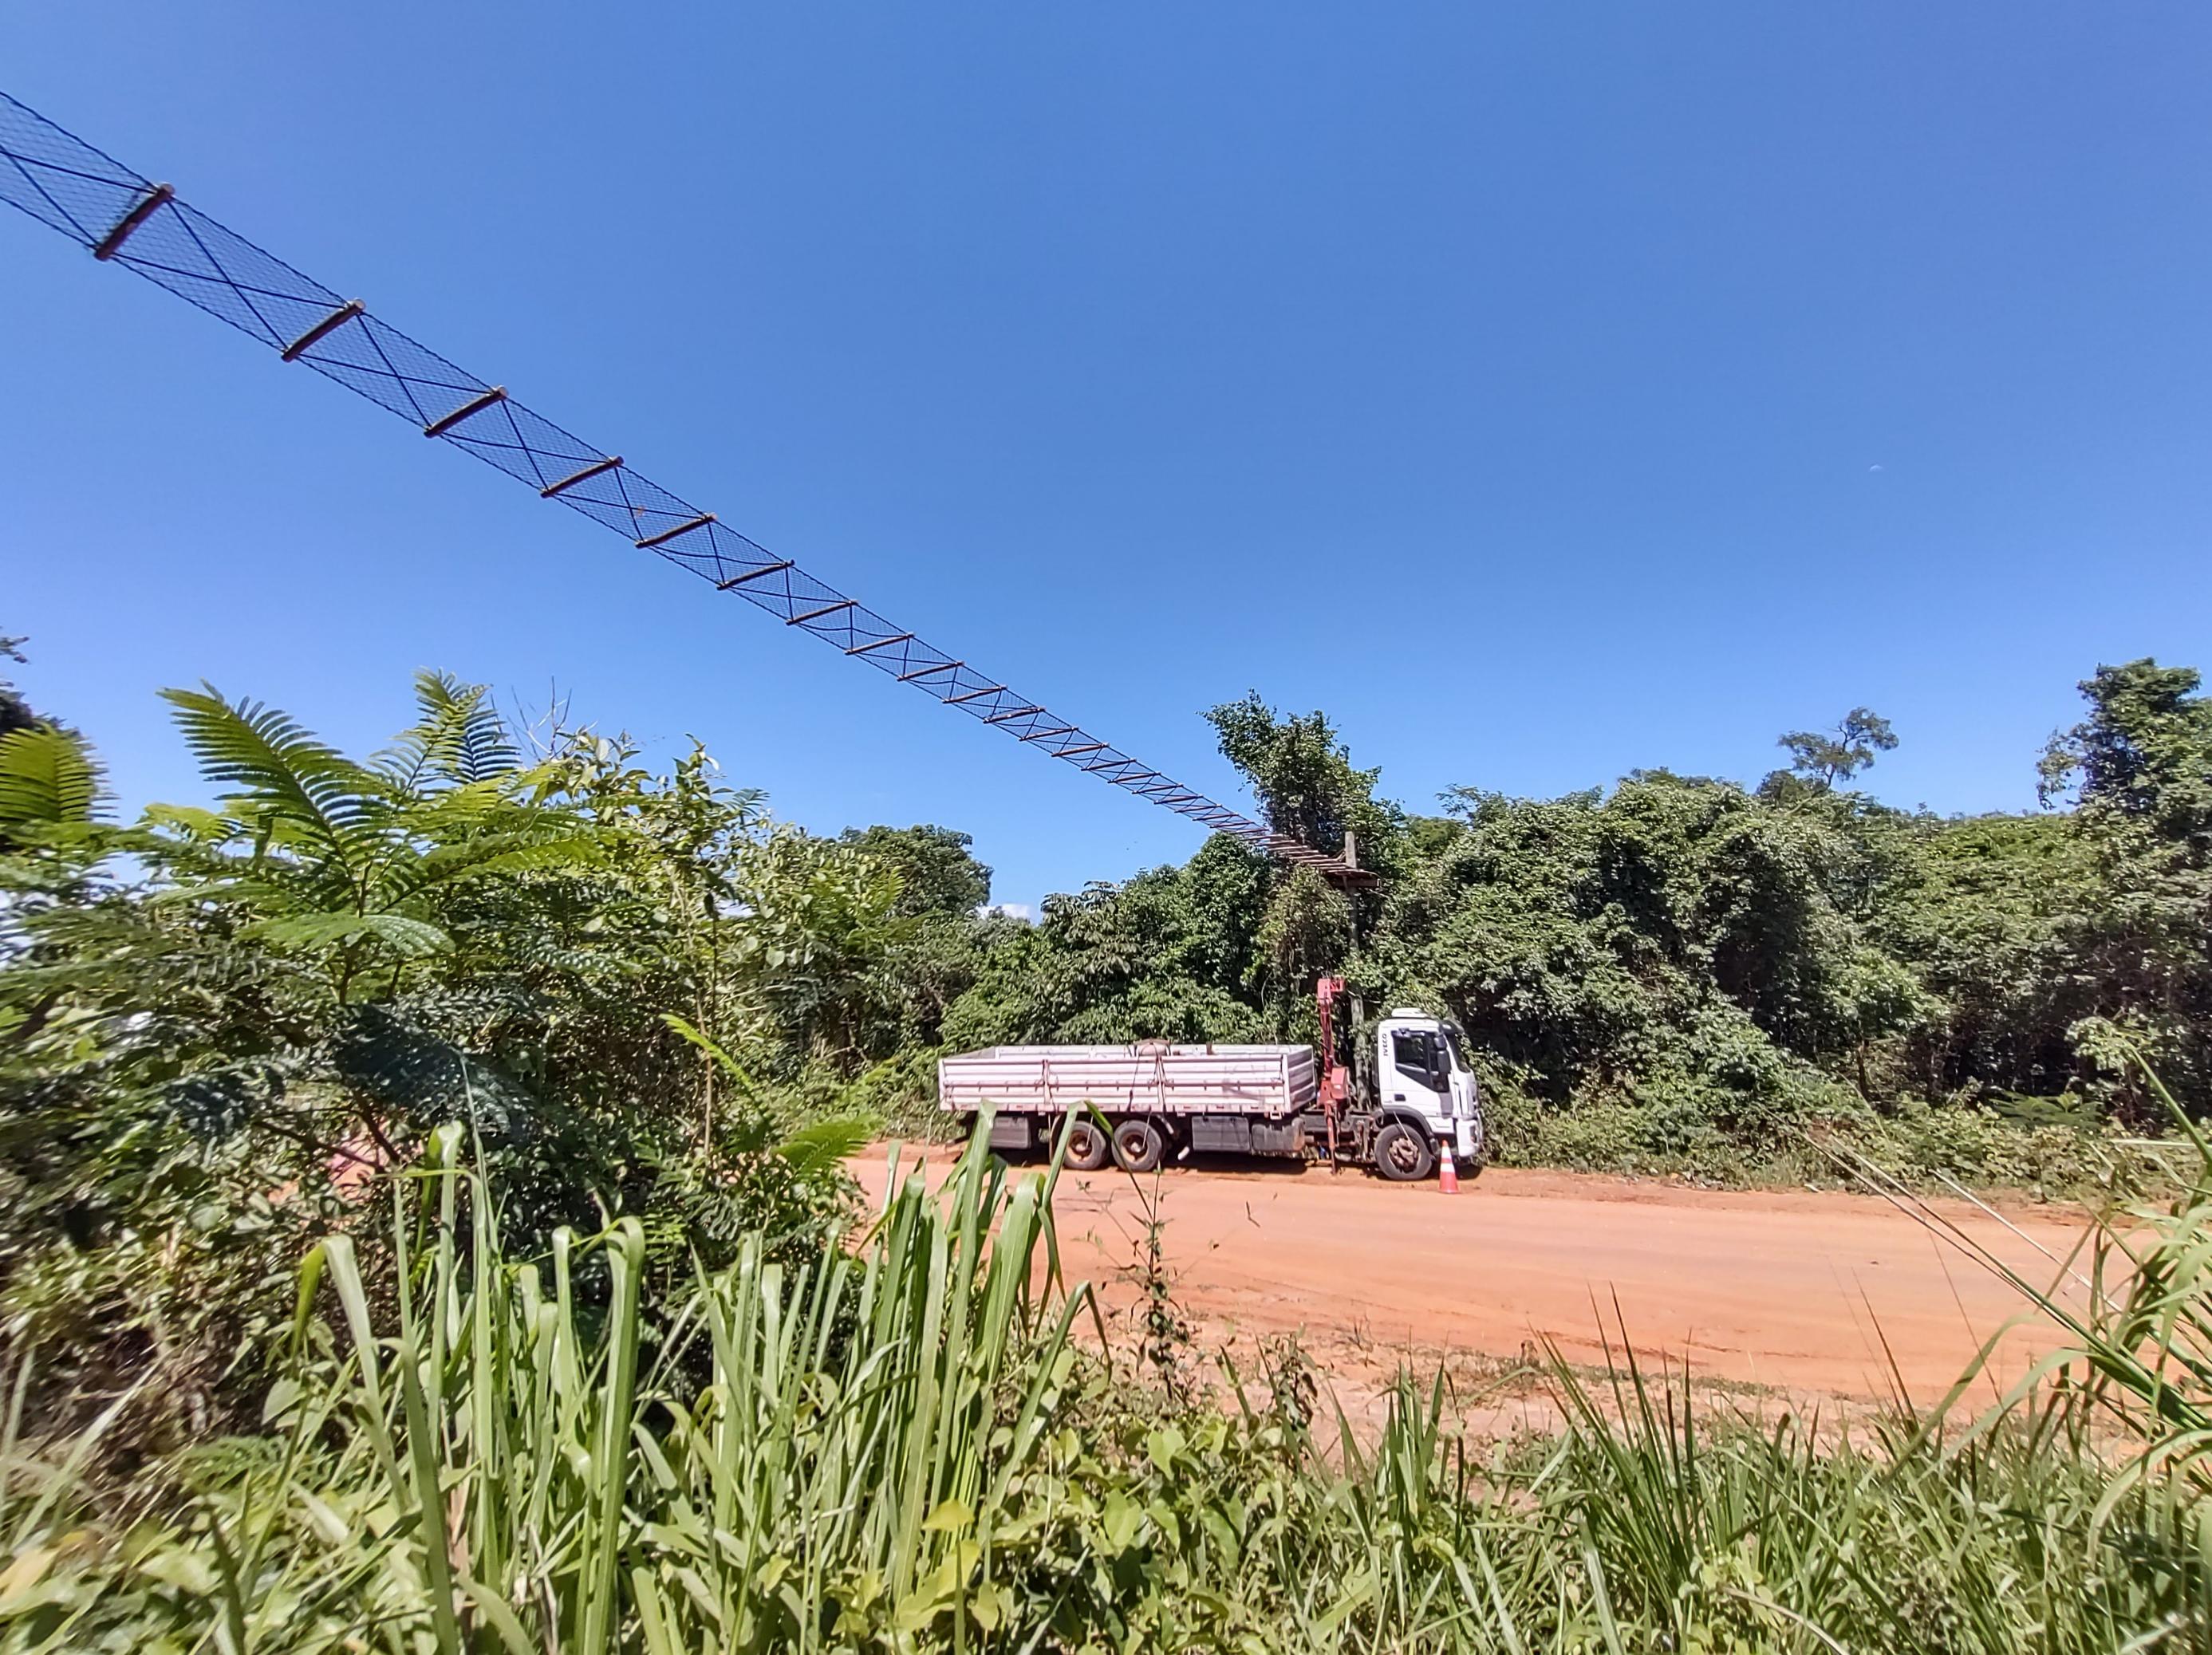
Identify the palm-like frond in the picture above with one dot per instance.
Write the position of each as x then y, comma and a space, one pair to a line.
409, 938
480, 810
705, 1042
409, 1068
494, 853
460, 738
193, 824
236, 864
46, 777
283, 774
826, 1144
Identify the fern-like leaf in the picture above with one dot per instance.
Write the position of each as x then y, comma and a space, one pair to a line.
47, 777
460, 738
826, 1144
707, 1043
192, 823
503, 854
281, 772
409, 938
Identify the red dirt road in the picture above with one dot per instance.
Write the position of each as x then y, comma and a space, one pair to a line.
1795, 1290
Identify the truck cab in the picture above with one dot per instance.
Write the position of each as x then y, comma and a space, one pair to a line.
1421, 1077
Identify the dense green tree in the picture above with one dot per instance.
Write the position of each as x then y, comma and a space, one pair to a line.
1978, 909
1110, 963
2139, 772
1303, 775
2142, 757
1595, 938
937, 875
1828, 759
817, 923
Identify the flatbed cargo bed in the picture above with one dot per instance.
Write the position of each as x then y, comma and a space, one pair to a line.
1153, 1077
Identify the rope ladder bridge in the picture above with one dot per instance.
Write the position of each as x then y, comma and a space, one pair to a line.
124, 219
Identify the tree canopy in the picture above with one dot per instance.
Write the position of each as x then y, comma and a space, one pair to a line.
937, 874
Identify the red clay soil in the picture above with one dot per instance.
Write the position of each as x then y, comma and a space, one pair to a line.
1806, 1292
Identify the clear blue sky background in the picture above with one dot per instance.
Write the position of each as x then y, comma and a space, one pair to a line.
1545, 391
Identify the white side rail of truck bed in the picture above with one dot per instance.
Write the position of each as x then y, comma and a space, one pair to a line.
1153, 1077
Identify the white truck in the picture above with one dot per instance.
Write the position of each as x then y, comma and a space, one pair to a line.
1407, 1097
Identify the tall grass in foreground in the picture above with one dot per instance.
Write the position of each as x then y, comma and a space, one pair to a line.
904, 1447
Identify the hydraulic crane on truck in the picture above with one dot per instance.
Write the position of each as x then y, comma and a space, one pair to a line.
124, 219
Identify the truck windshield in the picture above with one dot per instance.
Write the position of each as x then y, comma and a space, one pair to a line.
1456, 1037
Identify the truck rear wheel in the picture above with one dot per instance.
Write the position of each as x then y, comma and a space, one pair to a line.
1088, 1147
1403, 1153
1138, 1145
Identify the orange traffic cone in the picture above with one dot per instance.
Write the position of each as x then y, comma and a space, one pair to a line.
1447, 1171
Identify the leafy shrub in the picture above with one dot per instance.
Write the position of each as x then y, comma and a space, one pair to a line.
222, 1028
1979, 1147
174, 1295
1677, 1126
900, 1092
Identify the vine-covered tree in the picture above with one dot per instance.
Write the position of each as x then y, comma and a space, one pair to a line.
937, 875
2138, 771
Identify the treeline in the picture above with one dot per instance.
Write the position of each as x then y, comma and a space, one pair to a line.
1702, 962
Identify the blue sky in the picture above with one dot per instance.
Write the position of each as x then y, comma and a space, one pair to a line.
1544, 391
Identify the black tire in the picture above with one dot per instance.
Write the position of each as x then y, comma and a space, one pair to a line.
1138, 1145
1089, 1146
1403, 1153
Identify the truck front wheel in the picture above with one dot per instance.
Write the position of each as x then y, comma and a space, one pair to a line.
1088, 1147
1138, 1145
1403, 1153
